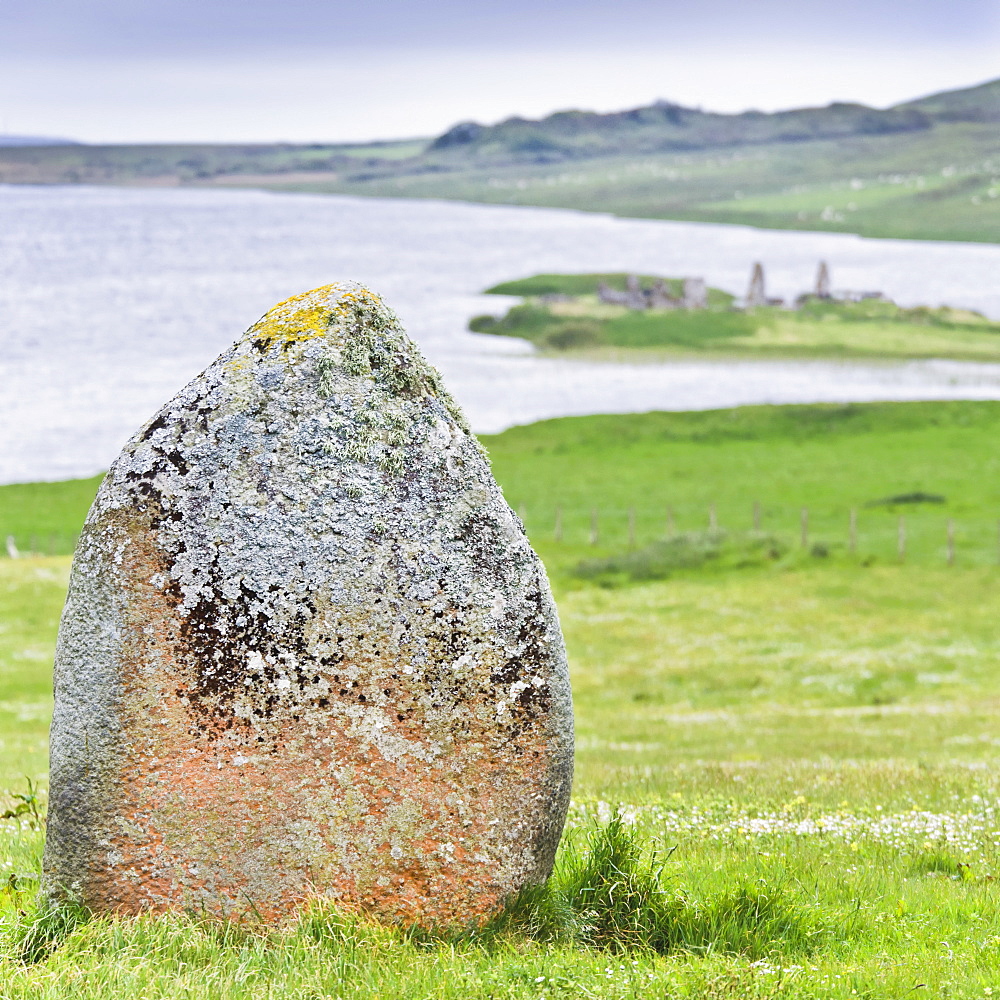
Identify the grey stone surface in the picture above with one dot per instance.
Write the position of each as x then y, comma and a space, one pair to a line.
307, 648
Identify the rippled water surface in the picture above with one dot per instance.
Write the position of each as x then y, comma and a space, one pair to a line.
112, 298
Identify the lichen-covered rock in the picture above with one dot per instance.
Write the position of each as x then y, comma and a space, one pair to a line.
307, 649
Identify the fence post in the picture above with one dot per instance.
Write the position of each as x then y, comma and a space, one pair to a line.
12, 548
853, 538
804, 525
901, 539
593, 526
631, 527
522, 513
671, 527
558, 528
951, 542
756, 515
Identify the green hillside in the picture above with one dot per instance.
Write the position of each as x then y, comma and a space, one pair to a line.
940, 183
972, 104
925, 169
677, 467
666, 127
640, 478
189, 163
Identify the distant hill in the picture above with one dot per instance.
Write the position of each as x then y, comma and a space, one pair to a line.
666, 127
243, 164
973, 104
35, 140
925, 169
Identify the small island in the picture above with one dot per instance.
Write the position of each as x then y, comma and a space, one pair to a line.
628, 317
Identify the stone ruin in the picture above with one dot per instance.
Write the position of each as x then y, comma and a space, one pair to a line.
694, 296
822, 289
307, 650
756, 293
695, 293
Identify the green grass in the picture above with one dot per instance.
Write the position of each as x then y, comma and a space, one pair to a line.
191, 163
570, 284
45, 518
562, 313
802, 750
938, 184
827, 459
31, 596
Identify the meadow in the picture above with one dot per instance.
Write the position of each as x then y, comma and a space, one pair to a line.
939, 184
787, 780
561, 313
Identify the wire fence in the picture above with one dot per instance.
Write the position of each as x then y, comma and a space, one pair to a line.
925, 534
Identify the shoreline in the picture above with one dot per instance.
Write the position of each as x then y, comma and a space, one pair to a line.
115, 297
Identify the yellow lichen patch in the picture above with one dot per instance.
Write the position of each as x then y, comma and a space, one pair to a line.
310, 314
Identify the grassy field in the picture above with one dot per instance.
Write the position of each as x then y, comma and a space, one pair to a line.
808, 738
940, 184
561, 314
44, 518
166, 164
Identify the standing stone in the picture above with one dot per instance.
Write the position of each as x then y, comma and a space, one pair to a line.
635, 298
822, 290
611, 296
695, 293
307, 649
756, 294
659, 296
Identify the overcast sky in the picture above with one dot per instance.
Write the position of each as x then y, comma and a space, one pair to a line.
308, 70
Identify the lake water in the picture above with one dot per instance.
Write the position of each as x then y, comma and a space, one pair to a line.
112, 298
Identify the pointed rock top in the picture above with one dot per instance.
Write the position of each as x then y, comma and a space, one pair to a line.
307, 648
